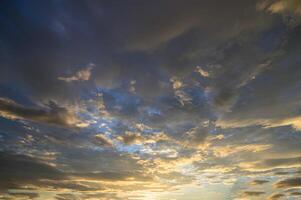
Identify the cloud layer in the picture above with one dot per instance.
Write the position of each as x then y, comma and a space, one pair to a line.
150, 100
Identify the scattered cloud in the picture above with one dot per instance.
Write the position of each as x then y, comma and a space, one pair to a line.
202, 72
131, 138
176, 83
102, 140
81, 75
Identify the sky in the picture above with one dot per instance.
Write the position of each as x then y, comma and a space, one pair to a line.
150, 100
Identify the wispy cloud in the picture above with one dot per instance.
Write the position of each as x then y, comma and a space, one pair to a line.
50, 114
288, 183
81, 75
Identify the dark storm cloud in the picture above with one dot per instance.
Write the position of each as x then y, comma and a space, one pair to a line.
52, 114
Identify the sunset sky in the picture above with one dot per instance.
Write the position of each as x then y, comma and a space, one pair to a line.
150, 99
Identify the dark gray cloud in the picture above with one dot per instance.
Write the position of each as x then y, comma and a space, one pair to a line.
131, 138
67, 184
295, 193
276, 196
280, 162
20, 170
102, 140
29, 195
253, 193
52, 114
91, 31
288, 183
112, 176
259, 182
282, 73
65, 197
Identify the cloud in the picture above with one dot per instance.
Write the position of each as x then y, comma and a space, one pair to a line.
259, 182
186, 70
196, 136
29, 195
19, 170
254, 107
153, 36
183, 97
201, 71
81, 75
179, 93
102, 140
52, 114
288, 183
272, 163
276, 196
131, 138
252, 193
69, 185
226, 150
111, 176
65, 196
285, 7
295, 122
176, 83
100, 195
295, 193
